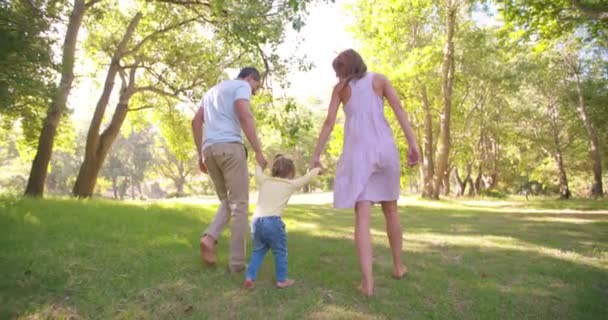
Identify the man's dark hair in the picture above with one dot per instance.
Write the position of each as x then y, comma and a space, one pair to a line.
249, 71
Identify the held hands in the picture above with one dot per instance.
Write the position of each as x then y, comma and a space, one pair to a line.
259, 157
316, 163
413, 155
201, 164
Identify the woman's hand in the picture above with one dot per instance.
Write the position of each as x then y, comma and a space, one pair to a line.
316, 163
413, 155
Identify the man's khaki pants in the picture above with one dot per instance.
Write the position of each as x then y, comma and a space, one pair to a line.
227, 166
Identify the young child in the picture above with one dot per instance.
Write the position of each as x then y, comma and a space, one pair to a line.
267, 227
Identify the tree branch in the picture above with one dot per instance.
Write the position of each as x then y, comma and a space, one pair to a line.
141, 108
592, 13
156, 90
184, 2
157, 33
91, 3
266, 63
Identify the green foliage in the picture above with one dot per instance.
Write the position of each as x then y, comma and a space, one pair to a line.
128, 162
551, 19
14, 171
504, 76
493, 193
27, 70
287, 128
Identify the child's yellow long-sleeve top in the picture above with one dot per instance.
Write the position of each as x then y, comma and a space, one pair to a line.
274, 193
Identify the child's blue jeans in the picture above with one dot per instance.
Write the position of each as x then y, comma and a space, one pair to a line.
268, 233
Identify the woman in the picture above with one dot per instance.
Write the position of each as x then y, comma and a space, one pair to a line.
368, 171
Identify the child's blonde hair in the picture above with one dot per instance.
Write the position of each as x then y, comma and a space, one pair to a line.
283, 167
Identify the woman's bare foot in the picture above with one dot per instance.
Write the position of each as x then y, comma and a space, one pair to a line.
400, 272
366, 289
207, 245
285, 284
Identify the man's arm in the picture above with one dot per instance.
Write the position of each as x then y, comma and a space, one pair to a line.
197, 132
247, 121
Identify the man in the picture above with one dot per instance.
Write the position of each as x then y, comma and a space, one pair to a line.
223, 112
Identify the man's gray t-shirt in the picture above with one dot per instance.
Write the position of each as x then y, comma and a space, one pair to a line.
221, 120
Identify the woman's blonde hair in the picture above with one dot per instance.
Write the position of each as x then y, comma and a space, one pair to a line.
282, 167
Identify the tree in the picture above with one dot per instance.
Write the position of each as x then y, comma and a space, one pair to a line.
176, 158
156, 57
26, 63
569, 25
287, 128
447, 76
402, 40
35, 185
116, 168
573, 61
552, 19
547, 85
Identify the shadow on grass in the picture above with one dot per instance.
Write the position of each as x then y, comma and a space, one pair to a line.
106, 260
586, 235
534, 203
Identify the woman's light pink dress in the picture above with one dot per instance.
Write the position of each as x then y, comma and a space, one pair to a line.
368, 169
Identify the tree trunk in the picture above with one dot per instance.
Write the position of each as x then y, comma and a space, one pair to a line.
495, 166
469, 181
443, 150
461, 183
141, 194
446, 182
179, 186
97, 145
427, 163
35, 184
564, 191
133, 188
597, 189
553, 113
477, 183
94, 158
123, 187
115, 187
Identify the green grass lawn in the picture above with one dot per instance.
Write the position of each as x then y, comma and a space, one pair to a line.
511, 259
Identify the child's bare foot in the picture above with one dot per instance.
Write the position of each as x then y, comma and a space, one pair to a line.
248, 284
285, 284
366, 289
400, 272
207, 245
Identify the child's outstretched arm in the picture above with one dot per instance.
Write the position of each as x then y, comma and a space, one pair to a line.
259, 174
303, 180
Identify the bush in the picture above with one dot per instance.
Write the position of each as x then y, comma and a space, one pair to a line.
493, 193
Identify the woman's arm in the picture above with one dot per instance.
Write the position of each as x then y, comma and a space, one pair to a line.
328, 125
393, 100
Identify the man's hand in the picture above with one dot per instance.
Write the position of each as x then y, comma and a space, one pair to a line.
259, 157
201, 164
